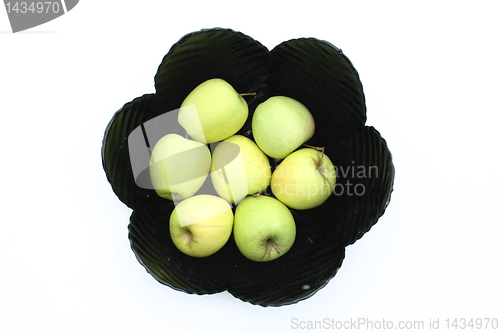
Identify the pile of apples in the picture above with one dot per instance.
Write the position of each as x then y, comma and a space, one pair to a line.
263, 226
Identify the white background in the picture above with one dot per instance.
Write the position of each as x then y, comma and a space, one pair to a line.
430, 71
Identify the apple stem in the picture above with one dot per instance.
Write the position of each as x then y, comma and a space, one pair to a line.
321, 149
248, 94
275, 248
189, 237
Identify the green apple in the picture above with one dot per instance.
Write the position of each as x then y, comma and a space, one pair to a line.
304, 179
213, 111
201, 225
239, 168
178, 167
280, 125
264, 228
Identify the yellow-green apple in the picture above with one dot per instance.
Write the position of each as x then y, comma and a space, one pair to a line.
280, 125
304, 179
201, 225
178, 166
264, 228
239, 168
213, 111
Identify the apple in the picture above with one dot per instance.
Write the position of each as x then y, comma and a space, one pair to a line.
201, 225
280, 125
304, 179
213, 111
239, 168
178, 167
264, 228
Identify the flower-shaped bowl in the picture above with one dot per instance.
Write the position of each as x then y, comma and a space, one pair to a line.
310, 70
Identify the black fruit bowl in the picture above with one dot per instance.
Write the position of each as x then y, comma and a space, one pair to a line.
315, 73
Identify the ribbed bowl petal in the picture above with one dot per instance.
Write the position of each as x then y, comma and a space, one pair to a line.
364, 183
150, 239
116, 154
206, 54
311, 262
321, 77
365, 177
